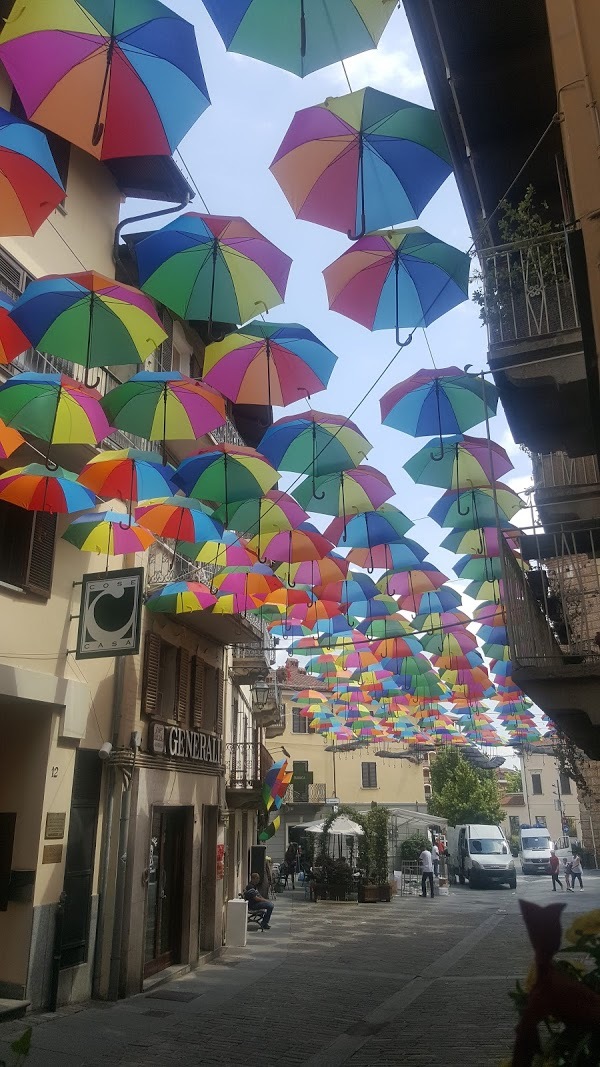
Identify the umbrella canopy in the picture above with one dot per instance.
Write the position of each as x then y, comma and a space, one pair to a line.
88, 319
360, 489
10, 440
355, 586
271, 513
165, 407
127, 474
479, 542
117, 79
412, 582
443, 599
397, 278
12, 341
400, 555
314, 443
181, 598
36, 488
466, 461
319, 574
256, 581
379, 527
446, 400
53, 408
179, 519
213, 268
362, 161
292, 546
269, 363
30, 185
107, 532
475, 507
302, 36
226, 473
342, 825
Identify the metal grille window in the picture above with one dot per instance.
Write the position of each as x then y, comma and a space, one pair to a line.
369, 775
299, 722
536, 784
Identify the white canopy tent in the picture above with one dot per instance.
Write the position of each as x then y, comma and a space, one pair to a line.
342, 825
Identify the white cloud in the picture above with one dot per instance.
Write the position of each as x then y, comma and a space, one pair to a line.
394, 71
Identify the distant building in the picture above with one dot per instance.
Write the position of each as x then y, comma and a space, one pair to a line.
549, 798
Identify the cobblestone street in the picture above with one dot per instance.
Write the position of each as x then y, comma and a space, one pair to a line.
408, 982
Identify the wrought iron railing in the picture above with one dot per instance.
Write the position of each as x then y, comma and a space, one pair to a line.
315, 793
553, 470
243, 765
227, 435
164, 566
527, 289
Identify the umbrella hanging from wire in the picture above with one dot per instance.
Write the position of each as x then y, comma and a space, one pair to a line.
107, 533
467, 462
226, 474
400, 555
301, 36
117, 79
362, 161
36, 488
349, 492
181, 598
314, 443
394, 279
10, 440
30, 185
476, 507
270, 513
127, 474
180, 519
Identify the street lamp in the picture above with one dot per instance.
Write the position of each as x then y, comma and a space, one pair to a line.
260, 693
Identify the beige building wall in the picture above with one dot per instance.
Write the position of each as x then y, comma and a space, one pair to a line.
542, 771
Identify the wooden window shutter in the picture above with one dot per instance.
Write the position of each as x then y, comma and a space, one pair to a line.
198, 693
40, 565
151, 674
220, 697
184, 669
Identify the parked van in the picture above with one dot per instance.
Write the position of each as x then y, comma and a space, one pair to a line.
480, 854
535, 846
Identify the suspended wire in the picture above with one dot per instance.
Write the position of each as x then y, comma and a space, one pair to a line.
193, 181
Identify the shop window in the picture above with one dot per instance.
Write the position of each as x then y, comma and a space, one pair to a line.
60, 149
299, 722
27, 542
536, 784
565, 784
369, 775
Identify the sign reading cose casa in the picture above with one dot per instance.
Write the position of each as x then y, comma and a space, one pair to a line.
185, 744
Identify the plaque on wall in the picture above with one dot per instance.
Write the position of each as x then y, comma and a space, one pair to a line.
55, 825
52, 854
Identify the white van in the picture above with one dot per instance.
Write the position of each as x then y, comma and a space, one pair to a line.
535, 846
480, 854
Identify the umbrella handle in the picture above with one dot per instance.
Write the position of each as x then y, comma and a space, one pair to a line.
91, 385
458, 507
361, 233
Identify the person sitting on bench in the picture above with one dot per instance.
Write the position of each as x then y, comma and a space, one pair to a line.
256, 902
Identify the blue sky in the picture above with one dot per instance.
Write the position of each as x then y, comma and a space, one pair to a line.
229, 152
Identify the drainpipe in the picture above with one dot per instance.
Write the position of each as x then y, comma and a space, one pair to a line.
119, 904
144, 218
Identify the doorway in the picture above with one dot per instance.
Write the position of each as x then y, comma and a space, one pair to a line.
164, 902
208, 878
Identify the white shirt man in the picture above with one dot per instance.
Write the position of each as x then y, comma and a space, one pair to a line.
435, 857
426, 872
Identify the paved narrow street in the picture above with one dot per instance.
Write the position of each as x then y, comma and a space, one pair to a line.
407, 982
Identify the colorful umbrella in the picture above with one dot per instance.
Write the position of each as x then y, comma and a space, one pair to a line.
360, 489
256, 581
30, 185
117, 79
395, 648
314, 443
302, 36
397, 278
127, 474
443, 599
12, 341
412, 582
213, 268
165, 407
384, 628
226, 473
88, 319
271, 513
228, 550
269, 363
107, 532
53, 408
446, 400
179, 519
403, 554
355, 586
479, 542
476, 507
38, 489
292, 546
10, 440
362, 161
382, 526
466, 462
181, 598
319, 574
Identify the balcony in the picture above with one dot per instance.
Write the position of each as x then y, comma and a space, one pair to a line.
529, 295
553, 617
277, 726
247, 763
306, 794
252, 662
270, 711
567, 489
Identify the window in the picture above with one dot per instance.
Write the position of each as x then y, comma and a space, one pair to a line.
565, 784
212, 717
27, 549
369, 775
427, 790
167, 681
540, 820
299, 722
536, 784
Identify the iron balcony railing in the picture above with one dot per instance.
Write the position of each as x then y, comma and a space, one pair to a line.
247, 763
553, 470
527, 289
164, 566
315, 793
264, 650
227, 435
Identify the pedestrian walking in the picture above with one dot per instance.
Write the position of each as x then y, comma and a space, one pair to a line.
435, 857
426, 861
554, 869
568, 864
576, 872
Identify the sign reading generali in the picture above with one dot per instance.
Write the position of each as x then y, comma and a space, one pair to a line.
175, 742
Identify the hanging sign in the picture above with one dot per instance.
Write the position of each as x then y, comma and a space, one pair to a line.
110, 614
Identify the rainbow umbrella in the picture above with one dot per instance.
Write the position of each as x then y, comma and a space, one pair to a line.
354, 587
269, 363
180, 519
454, 643
181, 598
445, 621
53, 408
483, 589
397, 278
320, 574
226, 473
30, 185
483, 568
377, 607
12, 341
324, 666
311, 696
476, 507
117, 79
227, 550
213, 268
466, 462
440, 600
411, 582
165, 407
404, 554
237, 604
291, 602
107, 532
321, 613
314, 443
360, 489
289, 628
480, 542
10, 440
256, 581
292, 546
446, 400
88, 319
384, 525
361, 161
303, 36
383, 628
396, 648
36, 488
271, 513
127, 474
